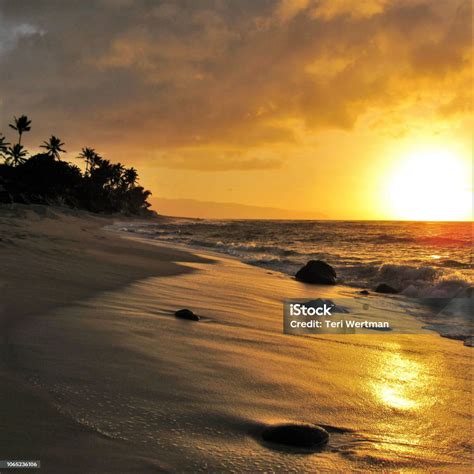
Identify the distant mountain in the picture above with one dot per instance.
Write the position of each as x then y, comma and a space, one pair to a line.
225, 210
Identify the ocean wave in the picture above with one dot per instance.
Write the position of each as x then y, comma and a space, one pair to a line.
440, 241
450, 263
419, 281
363, 254
282, 265
411, 281
238, 248
391, 239
429, 262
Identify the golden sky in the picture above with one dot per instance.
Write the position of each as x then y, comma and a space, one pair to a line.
313, 106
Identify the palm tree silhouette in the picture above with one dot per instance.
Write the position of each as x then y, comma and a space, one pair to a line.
21, 124
53, 147
90, 156
130, 177
16, 155
116, 172
3, 146
105, 186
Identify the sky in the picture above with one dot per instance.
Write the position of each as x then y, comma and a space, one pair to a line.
336, 108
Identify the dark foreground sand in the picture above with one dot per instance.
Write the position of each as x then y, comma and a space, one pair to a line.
52, 258
98, 376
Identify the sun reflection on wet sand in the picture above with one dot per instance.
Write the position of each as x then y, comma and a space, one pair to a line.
401, 388
401, 382
392, 397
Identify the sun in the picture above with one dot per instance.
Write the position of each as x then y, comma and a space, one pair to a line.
431, 184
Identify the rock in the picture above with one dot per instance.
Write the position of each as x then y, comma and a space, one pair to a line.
317, 272
186, 314
302, 435
387, 289
364, 292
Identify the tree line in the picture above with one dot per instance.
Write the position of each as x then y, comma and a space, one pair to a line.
45, 178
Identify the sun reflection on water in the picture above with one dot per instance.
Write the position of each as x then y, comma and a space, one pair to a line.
404, 388
401, 382
393, 397
399, 385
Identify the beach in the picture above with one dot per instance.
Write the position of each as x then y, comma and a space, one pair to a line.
99, 376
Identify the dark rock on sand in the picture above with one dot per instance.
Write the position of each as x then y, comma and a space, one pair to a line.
387, 289
317, 272
364, 292
186, 314
302, 435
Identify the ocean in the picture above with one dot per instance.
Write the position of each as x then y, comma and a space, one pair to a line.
429, 263
421, 259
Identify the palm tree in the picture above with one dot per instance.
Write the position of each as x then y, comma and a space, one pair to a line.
116, 172
91, 158
16, 155
130, 177
3, 146
53, 147
21, 124
96, 161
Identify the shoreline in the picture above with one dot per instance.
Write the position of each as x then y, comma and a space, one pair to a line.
37, 243
426, 287
127, 318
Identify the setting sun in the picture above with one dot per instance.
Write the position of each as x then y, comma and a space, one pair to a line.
430, 184
236, 236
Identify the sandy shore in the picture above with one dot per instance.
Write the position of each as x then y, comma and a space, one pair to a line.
51, 259
98, 375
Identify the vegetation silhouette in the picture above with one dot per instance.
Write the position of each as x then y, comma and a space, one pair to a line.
3, 144
15, 155
44, 178
53, 147
21, 124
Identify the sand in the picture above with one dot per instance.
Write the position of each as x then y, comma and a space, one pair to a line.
49, 259
99, 376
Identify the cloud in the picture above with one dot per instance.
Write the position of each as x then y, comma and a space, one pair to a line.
288, 9
214, 160
11, 33
220, 164
452, 51
178, 75
329, 9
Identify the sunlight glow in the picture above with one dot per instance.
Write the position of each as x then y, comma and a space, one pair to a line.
392, 397
431, 184
401, 382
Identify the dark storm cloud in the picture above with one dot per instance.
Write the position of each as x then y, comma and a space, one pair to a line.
225, 73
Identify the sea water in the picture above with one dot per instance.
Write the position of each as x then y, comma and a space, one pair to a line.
421, 259
430, 262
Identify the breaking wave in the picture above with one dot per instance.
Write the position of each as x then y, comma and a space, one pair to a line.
423, 260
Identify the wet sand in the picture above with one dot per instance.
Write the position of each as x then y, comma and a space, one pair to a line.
100, 376
51, 258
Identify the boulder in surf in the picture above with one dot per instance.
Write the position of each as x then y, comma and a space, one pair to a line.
387, 289
317, 272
